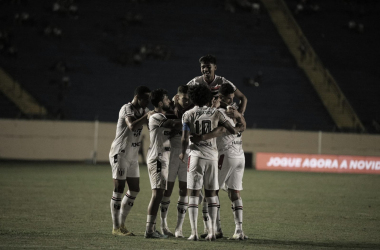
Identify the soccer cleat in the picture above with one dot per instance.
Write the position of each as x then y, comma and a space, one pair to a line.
155, 235
120, 232
193, 237
166, 231
204, 235
219, 234
125, 231
210, 237
178, 233
239, 235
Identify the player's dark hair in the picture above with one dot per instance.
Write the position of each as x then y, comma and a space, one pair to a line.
141, 90
183, 89
226, 89
157, 96
208, 59
200, 94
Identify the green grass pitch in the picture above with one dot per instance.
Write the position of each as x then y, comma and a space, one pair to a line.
66, 206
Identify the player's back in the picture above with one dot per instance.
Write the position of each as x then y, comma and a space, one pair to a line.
202, 120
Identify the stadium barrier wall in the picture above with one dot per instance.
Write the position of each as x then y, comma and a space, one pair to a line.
318, 163
74, 141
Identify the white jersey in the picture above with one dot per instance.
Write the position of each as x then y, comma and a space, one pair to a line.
202, 120
214, 86
126, 140
159, 138
228, 144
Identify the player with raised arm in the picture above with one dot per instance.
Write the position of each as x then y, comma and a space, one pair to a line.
208, 78
176, 167
158, 156
124, 158
202, 167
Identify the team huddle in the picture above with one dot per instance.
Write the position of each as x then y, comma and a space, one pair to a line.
197, 136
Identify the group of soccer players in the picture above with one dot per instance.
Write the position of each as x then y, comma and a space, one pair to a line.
196, 136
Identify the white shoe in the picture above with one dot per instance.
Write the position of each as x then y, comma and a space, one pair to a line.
211, 237
239, 235
193, 237
178, 233
166, 231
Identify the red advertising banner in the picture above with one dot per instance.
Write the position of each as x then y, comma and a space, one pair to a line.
318, 163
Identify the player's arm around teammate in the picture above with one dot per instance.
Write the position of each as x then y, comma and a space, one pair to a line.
177, 168
158, 156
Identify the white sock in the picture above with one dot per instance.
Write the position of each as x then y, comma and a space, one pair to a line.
213, 203
193, 214
237, 208
181, 211
127, 204
206, 218
115, 209
150, 222
165, 202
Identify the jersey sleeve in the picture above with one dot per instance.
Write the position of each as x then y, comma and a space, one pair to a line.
223, 112
192, 82
222, 117
185, 118
224, 80
156, 121
126, 111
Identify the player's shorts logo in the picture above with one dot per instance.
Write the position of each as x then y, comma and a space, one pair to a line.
120, 171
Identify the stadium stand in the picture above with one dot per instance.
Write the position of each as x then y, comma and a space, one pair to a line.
345, 34
84, 65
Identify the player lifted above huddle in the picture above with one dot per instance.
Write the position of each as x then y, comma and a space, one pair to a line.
203, 157
124, 157
208, 78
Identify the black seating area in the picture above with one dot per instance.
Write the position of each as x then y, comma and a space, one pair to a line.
345, 36
84, 60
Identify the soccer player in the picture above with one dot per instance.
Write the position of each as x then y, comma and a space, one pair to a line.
208, 78
124, 158
158, 156
231, 160
176, 168
202, 161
